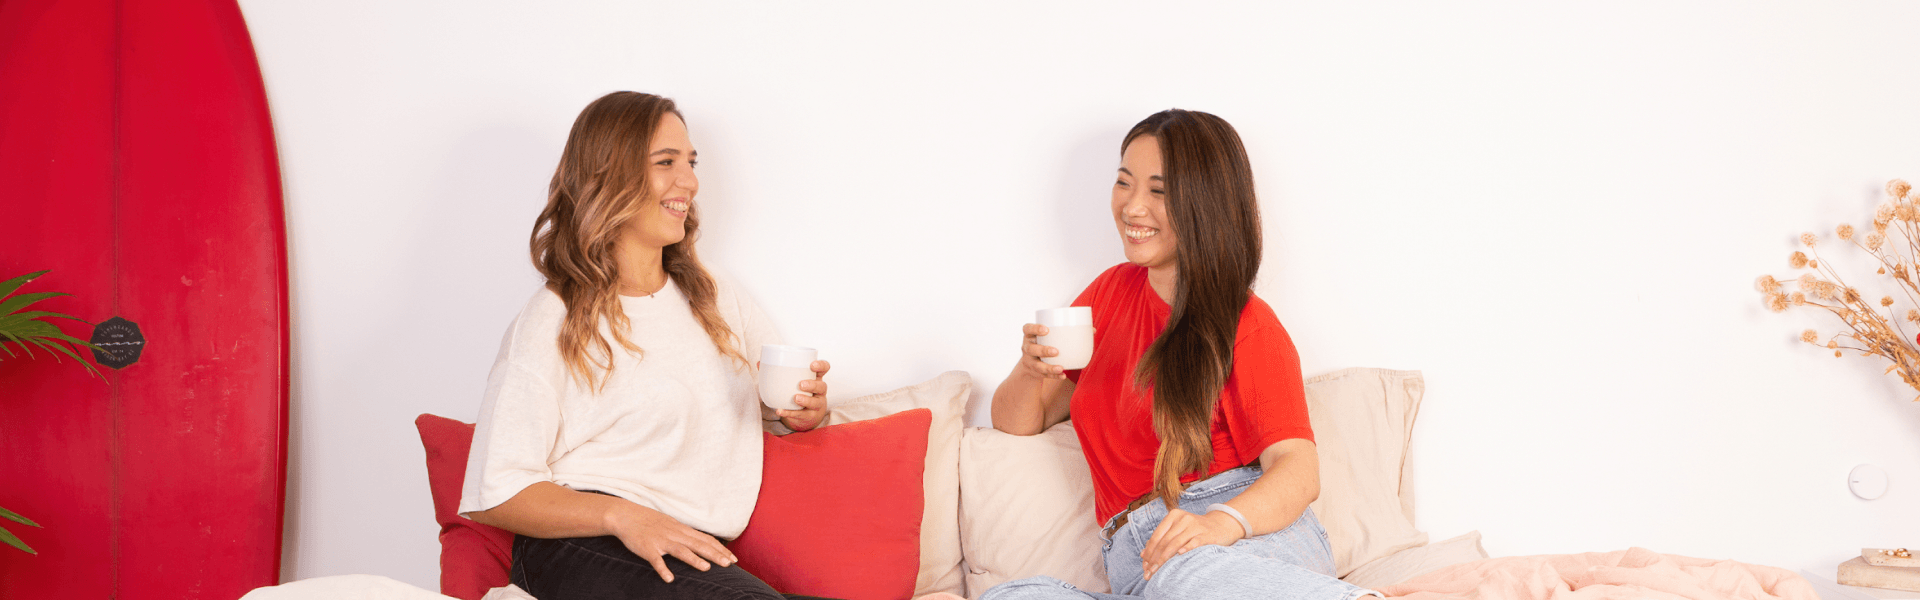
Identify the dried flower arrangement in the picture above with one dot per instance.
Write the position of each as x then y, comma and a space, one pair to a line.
1873, 327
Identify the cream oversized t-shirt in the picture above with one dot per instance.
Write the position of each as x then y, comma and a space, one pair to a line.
676, 428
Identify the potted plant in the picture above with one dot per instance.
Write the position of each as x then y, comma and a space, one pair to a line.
26, 330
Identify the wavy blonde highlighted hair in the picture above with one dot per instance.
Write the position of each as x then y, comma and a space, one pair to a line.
600, 185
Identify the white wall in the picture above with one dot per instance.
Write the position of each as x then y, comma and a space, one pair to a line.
1556, 213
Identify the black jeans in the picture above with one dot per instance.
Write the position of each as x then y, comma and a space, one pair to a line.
602, 568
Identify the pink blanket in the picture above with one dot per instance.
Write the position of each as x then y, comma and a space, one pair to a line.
1626, 574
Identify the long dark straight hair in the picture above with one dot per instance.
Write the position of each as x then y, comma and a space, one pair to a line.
1216, 225
600, 185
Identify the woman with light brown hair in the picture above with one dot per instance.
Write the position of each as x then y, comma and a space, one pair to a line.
1191, 412
620, 434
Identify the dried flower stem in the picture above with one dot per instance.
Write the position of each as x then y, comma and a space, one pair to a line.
1906, 287
1873, 326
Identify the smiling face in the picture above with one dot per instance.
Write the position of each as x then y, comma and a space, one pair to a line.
661, 220
1140, 207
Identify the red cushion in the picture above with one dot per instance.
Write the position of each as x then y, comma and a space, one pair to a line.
838, 515
473, 558
840, 508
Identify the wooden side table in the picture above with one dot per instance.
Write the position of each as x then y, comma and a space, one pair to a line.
1823, 582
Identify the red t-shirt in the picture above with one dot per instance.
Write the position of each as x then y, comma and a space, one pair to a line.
1263, 402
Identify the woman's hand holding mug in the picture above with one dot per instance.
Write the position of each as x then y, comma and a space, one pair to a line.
784, 371
1061, 341
1033, 354
812, 402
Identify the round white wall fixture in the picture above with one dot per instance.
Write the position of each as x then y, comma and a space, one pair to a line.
1868, 482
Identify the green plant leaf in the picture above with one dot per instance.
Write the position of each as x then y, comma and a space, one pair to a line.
33, 329
34, 315
44, 345
24, 343
27, 329
7, 287
23, 300
54, 346
15, 517
51, 346
62, 336
8, 537
28, 316
64, 350
43, 334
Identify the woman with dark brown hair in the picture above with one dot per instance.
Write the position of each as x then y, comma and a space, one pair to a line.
1191, 412
620, 434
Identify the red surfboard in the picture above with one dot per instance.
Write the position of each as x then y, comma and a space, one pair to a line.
137, 163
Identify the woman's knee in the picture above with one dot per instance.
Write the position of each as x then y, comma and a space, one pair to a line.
1218, 573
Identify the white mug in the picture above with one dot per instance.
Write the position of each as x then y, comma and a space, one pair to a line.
782, 368
1070, 330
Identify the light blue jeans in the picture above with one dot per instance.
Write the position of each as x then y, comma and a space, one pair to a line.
1295, 563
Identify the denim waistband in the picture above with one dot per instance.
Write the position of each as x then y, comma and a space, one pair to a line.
1227, 483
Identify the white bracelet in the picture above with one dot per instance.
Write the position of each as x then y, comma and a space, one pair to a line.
1231, 512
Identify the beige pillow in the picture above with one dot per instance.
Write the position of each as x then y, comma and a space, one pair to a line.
1362, 421
1027, 509
946, 396
1414, 562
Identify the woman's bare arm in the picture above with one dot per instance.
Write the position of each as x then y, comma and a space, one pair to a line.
1289, 481
1036, 395
548, 510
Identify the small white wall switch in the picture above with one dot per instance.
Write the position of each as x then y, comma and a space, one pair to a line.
1868, 482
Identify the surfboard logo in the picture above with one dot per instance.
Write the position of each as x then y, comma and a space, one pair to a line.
121, 340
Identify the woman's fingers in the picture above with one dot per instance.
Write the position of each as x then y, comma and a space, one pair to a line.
809, 405
660, 566
687, 555
1044, 370
814, 387
1159, 537
1154, 566
1039, 351
812, 411
1031, 351
712, 550
1175, 535
818, 385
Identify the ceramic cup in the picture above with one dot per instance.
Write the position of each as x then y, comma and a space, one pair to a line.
782, 368
1070, 330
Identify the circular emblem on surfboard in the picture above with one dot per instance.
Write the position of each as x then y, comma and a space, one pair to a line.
122, 341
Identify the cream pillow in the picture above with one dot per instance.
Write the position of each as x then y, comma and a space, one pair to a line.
1414, 562
1027, 509
1362, 420
364, 587
946, 396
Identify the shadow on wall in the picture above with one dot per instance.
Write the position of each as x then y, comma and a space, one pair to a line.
1899, 397
469, 244
1078, 236
1083, 213
457, 280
